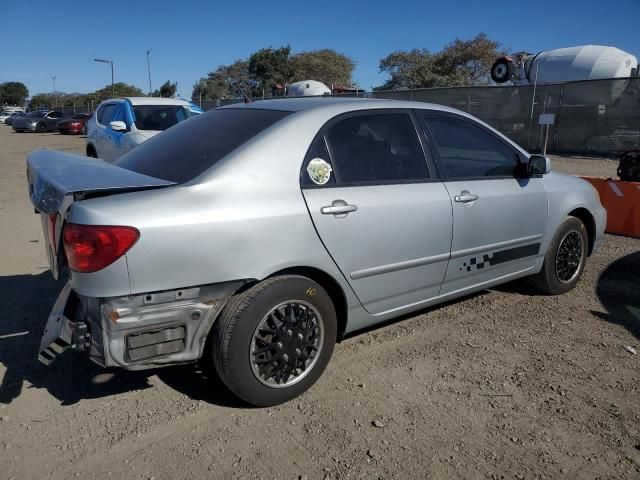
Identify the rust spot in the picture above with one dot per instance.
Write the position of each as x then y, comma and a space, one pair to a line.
112, 315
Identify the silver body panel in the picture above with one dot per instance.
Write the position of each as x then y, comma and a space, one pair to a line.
404, 248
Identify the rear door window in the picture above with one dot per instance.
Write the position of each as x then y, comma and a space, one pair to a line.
185, 151
376, 148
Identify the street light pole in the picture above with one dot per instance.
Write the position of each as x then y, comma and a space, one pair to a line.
55, 96
113, 94
149, 70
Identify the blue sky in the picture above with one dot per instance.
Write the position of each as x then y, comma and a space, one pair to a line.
42, 39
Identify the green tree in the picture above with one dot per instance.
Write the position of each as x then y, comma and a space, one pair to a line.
225, 82
42, 100
269, 66
13, 93
60, 99
167, 90
459, 63
408, 69
326, 66
120, 89
468, 62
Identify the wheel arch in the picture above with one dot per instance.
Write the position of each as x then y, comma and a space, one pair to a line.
91, 148
589, 222
326, 281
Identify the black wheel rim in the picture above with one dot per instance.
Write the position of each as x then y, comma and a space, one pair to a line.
500, 70
286, 344
569, 257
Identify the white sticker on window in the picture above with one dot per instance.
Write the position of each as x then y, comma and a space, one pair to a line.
319, 171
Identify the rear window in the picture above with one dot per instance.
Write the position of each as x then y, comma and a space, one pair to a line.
188, 149
159, 117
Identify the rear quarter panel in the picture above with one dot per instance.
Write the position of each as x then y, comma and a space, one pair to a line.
244, 219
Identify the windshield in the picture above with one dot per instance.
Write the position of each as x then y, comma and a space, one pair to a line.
80, 116
159, 117
36, 114
184, 152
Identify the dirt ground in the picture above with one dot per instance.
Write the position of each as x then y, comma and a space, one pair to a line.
503, 384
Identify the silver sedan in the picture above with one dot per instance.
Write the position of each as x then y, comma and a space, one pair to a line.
258, 235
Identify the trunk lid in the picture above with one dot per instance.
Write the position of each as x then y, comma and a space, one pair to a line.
58, 179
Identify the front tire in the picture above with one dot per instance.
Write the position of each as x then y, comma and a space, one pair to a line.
274, 340
565, 259
41, 128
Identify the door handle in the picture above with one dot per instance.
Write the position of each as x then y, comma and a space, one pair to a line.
338, 207
466, 197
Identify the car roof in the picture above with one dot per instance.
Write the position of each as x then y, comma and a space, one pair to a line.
347, 104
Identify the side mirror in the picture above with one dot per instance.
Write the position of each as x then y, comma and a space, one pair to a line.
118, 126
538, 165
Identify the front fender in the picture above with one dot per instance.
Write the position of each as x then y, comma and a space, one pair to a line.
567, 194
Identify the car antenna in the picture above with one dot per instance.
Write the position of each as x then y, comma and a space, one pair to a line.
247, 98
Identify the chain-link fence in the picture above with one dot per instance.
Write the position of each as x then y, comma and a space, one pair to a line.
599, 117
68, 110
592, 117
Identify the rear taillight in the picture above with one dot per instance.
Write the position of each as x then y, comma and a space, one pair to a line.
90, 248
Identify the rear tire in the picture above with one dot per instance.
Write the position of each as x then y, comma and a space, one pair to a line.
91, 152
273, 341
565, 259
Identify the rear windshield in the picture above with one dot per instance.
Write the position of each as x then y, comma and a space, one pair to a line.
188, 149
159, 117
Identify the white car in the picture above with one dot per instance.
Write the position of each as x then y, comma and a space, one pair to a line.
120, 124
4, 116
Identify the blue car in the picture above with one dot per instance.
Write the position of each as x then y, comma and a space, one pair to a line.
120, 124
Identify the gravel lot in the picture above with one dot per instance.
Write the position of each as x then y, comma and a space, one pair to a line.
504, 384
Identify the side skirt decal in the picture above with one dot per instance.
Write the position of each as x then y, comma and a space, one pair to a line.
500, 256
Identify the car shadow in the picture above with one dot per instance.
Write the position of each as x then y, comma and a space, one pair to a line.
27, 300
618, 289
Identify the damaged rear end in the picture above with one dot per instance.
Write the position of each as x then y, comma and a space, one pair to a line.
113, 327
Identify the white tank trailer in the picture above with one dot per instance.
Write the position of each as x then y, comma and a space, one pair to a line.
306, 88
586, 62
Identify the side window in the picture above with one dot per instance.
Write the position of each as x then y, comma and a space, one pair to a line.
105, 114
318, 169
376, 148
467, 150
52, 115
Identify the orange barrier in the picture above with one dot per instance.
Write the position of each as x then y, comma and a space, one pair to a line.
622, 202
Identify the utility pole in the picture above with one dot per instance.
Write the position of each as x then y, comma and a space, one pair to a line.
149, 71
55, 96
113, 93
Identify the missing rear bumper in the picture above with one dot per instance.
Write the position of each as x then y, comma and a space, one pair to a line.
138, 331
61, 333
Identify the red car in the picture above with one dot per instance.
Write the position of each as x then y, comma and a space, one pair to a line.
75, 124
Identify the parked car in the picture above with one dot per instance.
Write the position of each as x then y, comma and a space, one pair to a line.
38, 121
74, 125
9, 120
259, 234
120, 124
4, 116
